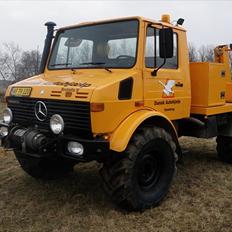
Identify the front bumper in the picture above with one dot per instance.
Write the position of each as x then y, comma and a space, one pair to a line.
96, 149
38, 143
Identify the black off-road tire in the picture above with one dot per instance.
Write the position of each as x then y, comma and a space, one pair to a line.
143, 174
44, 168
224, 148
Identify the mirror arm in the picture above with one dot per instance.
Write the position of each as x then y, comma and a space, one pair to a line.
154, 72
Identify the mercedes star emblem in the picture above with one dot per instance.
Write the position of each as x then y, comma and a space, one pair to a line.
41, 111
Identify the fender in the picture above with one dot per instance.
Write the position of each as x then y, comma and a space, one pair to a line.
121, 136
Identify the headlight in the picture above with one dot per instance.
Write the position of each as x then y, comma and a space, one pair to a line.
56, 124
3, 131
75, 148
7, 116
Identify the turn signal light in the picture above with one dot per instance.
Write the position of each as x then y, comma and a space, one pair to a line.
97, 107
106, 137
139, 103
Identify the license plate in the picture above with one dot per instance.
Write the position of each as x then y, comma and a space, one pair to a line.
21, 91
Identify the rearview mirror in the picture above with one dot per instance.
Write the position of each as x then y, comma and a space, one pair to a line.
166, 43
72, 42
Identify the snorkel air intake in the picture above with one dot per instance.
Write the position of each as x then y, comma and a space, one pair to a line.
47, 45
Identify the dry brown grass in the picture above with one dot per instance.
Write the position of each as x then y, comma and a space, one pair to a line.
1, 107
199, 200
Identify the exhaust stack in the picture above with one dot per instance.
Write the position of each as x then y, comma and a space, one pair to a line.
47, 45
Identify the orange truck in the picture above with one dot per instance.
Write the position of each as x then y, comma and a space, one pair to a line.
120, 92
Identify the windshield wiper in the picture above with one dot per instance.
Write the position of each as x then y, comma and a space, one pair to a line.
61, 64
93, 63
96, 63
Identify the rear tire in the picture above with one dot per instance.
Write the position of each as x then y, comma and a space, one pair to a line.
141, 178
44, 168
224, 148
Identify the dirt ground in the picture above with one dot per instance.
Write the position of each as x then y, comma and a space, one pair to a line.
199, 200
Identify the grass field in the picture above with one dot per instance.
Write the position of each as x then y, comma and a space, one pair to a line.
199, 200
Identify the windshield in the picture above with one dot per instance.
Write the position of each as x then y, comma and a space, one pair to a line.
108, 45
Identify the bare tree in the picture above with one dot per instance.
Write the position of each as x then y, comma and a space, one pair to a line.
193, 55
9, 60
16, 64
206, 53
202, 53
29, 64
210, 53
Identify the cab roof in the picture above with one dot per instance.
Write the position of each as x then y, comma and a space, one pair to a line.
141, 19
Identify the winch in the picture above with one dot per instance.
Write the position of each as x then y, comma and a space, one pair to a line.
27, 139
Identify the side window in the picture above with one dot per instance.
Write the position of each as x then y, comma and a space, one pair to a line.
152, 59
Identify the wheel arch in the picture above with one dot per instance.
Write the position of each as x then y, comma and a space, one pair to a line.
122, 135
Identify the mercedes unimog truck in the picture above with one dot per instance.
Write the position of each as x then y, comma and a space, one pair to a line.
120, 92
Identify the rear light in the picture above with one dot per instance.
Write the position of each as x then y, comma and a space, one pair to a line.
97, 107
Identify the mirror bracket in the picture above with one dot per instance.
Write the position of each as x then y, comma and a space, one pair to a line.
154, 72
166, 42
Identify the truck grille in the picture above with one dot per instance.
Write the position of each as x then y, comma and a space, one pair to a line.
76, 114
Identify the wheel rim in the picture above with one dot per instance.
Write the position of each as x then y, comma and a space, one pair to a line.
149, 171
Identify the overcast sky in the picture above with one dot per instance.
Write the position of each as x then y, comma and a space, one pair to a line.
207, 22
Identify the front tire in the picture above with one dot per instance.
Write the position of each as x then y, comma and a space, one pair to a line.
44, 168
143, 175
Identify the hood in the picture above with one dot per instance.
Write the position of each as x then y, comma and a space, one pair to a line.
69, 85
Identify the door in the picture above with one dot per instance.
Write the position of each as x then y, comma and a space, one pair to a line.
164, 92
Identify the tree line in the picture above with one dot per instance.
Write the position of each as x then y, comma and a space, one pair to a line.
17, 64
202, 54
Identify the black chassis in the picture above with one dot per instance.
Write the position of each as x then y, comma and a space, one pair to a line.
55, 146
